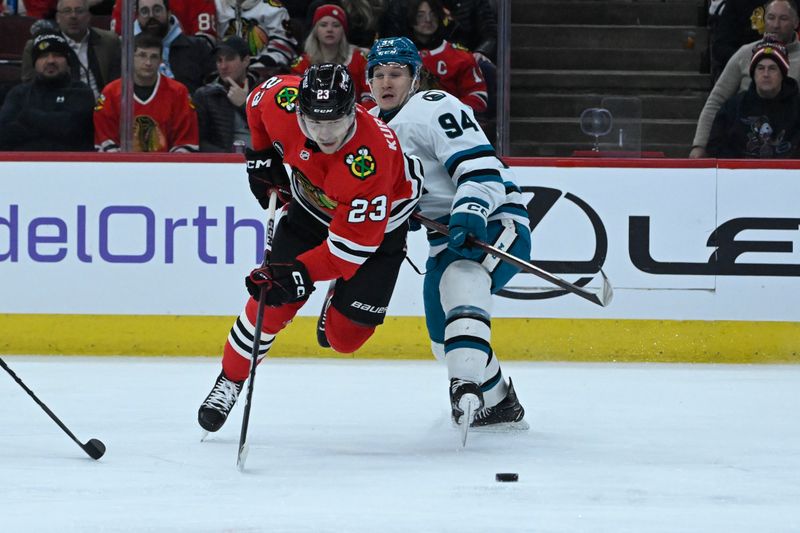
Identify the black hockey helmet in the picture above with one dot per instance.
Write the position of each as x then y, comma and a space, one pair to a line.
327, 92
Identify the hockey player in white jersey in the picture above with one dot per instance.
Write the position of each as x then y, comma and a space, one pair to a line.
470, 190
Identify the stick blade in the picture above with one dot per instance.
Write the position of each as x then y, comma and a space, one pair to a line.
94, 448
607, 293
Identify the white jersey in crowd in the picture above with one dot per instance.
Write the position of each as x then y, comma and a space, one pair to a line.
263, 24
457, 159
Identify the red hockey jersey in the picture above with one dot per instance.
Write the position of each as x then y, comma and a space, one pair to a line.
360, 192
455, 70
356, 65
197, 17
165, 122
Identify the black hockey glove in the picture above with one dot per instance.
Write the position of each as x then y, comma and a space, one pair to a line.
266, 172
284, 283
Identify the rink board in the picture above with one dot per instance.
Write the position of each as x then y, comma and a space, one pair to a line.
145, 255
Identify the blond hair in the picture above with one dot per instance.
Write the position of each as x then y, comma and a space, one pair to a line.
313, 49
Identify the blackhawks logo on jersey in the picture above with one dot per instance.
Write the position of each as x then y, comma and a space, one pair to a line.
147, 135
362, 164
286, 98
255, 36
313, 193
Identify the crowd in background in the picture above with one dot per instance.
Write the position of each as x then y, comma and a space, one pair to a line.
753, 110
218, 50
195, 61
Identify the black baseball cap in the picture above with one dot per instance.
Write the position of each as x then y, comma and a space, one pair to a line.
233, 45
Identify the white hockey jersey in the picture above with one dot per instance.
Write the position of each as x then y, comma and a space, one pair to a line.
457, 159
264, 24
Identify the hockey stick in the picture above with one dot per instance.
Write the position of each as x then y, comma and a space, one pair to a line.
602, 299
243, 447
93, 448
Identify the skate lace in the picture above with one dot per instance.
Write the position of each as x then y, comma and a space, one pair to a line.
224, 395
483, 413
456, 383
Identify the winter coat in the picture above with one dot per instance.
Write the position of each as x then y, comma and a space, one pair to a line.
741, 22
215, 115
38, 116
749, 126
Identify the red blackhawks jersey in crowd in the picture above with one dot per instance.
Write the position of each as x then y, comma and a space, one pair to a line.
197, 17
361, 192
165, 122
455, 70
356, 66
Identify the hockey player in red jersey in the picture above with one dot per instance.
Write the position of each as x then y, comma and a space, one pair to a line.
352, 191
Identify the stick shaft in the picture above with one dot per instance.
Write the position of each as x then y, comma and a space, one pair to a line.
525, 266
273, 202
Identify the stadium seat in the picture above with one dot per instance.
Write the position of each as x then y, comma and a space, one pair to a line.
14, 33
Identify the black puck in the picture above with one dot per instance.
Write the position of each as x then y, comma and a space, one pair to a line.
508, 476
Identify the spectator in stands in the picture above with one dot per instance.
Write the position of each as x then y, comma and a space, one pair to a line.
471, 23
363, 18
187, 59
52, 112
780, 21
164, 117
264, 25
327, 43
764, 121
452, 67
740, 22
221, 103
196, 17
95, 53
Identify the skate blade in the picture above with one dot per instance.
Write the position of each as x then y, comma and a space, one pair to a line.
203, 435
242, 458
465, 418
503, 427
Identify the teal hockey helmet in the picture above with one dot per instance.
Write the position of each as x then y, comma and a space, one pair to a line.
394, 50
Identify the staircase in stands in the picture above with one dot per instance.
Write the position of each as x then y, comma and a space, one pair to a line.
568, 55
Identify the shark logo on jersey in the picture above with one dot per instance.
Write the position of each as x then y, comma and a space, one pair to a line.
362, 165
286, 98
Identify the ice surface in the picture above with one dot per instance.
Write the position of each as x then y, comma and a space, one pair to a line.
367, 446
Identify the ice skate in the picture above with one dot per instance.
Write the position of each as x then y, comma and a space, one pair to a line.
506, 415
216, 407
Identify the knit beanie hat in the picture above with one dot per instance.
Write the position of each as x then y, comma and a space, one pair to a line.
330, 10
771, 49
49, 42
